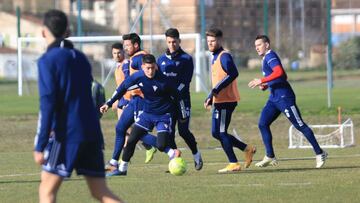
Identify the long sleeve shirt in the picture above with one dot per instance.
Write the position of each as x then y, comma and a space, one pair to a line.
66, 104
179, 67
158, 92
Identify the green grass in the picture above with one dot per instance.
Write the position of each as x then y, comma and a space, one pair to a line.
294, 180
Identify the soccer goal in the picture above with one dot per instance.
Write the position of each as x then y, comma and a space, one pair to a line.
98, 51
328, 136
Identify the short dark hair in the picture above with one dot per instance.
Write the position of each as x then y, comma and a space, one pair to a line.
214, 32
264, 38
173, 33
133, 37
117, 45
57, 22
148, 58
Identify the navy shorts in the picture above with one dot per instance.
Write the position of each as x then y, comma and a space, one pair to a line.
86, 158
148, 121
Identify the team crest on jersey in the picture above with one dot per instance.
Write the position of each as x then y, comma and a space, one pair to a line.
155, 88
163, 63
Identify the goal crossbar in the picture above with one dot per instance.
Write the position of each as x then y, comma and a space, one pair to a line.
195, 36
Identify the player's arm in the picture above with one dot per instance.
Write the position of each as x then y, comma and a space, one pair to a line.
208, 101
277, 72
47, 94
176, 95
123, 100
128, 84
186, 75
230, 68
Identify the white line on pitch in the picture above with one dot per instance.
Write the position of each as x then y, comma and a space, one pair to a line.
17, 175
294, 184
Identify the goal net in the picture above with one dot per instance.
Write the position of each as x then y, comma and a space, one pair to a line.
98, 51
328, 136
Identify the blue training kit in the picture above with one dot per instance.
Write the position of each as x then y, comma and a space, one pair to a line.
282, 99
67, 109
179, 67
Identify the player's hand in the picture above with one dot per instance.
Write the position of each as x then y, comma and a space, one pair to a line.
104, 108
207, 104
39, 157
255, 82
263, 87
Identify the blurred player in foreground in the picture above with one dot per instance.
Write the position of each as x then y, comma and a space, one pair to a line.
178, 66
281, 100
67, 108
225, 96
157, 108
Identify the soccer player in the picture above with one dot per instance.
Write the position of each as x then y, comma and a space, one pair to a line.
122, 71
281, 100
66, 107
178, 66
224, 96
158, 92
132, 47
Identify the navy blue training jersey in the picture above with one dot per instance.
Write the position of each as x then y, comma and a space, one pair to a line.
66, 104
179, 67
280, 87
158, 92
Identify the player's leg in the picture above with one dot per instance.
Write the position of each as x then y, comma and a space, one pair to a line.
172, 142
60, 159
49, 186
189, 138
90, 163
268, 115
100, 190
220, 122
150, 150
163, 127
248, 150
291, 111
136, 134
123, 124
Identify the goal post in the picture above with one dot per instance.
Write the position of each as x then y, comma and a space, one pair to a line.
328, 136
195, 52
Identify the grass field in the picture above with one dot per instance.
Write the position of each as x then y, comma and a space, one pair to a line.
294, 180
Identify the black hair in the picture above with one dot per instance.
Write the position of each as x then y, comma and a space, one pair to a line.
148, 58
173, 33
57, 22
133, 37
263, 37
117, 45
214, 32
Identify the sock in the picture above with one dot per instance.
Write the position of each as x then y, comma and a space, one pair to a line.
197, 157
171, 153
123, 166
113, 162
